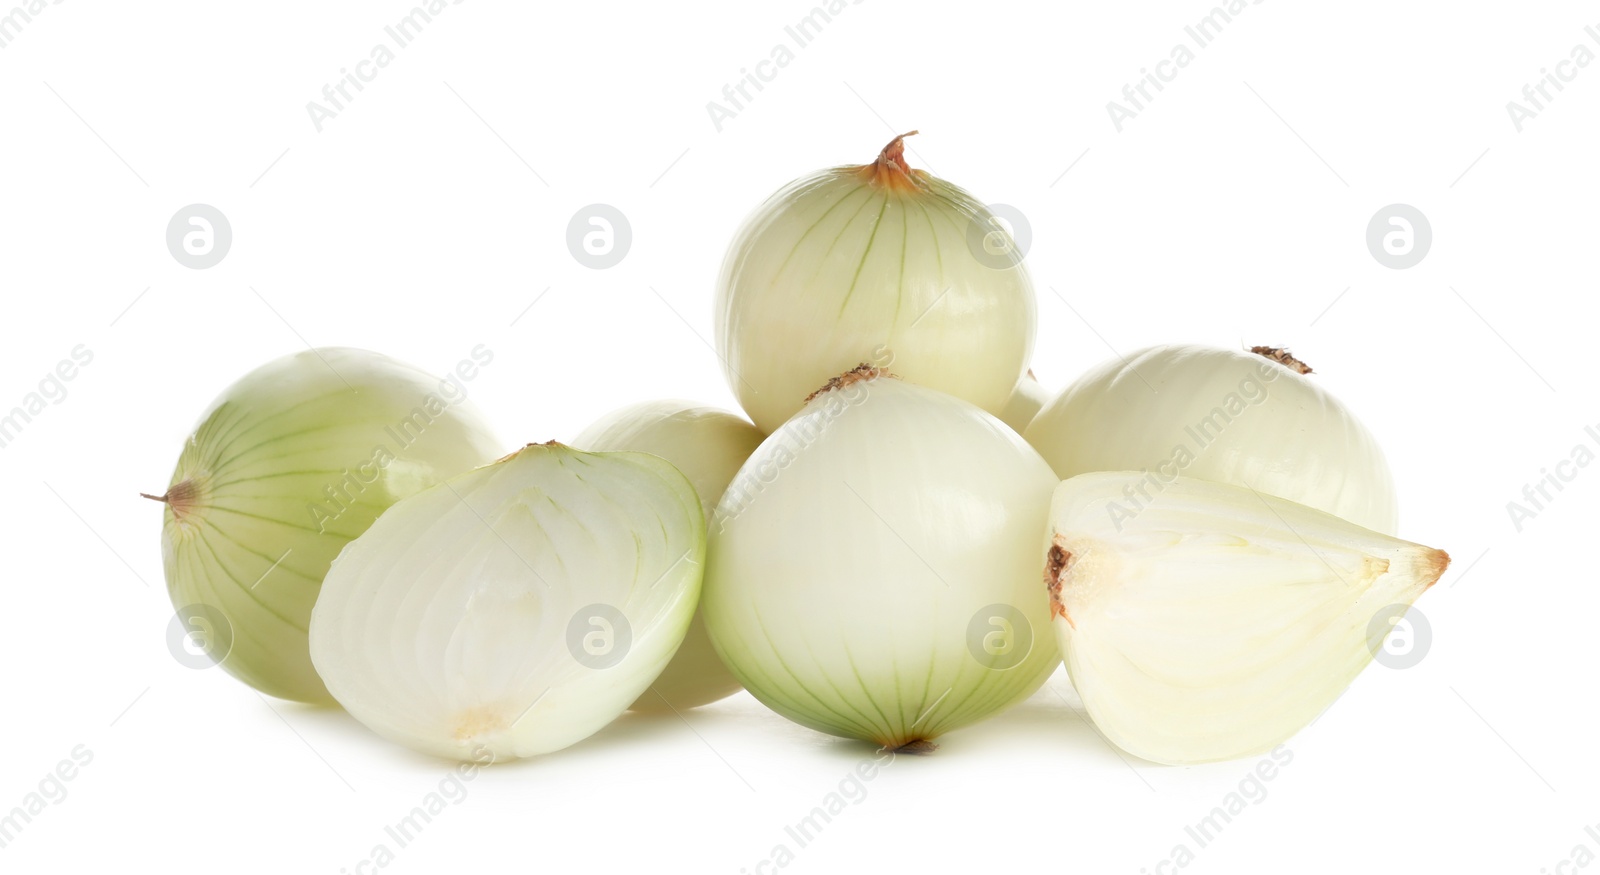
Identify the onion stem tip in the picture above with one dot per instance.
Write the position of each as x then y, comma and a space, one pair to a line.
890, 168
860, 373
1281, 356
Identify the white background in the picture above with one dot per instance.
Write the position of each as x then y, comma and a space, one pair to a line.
431, 213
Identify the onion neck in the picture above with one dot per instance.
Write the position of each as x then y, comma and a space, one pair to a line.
182, 498
859, 374
1282, 357
891, 171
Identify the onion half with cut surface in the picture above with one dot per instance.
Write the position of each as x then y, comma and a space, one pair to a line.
708, 445
1215, 621
517, 608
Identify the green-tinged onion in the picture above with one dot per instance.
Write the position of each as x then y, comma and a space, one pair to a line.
288, 465
873, 568
878, 263
1255, 419
708, 445
1213, 621
516, 609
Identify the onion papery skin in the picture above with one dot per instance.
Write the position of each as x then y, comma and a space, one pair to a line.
871, 263
1215, 622
1224, 415
708, 445
453, 625
289, 464
855, 552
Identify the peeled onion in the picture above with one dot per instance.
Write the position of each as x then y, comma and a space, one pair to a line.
873, 567
1253, 419
878, 263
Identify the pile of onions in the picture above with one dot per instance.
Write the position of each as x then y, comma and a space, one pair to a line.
1206, 535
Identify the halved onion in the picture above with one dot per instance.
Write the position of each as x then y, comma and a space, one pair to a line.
708, 445
1216, 621
515, 609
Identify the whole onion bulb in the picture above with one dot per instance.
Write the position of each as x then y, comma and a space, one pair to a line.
873, 569
1256, 419
289, 464
878, 263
